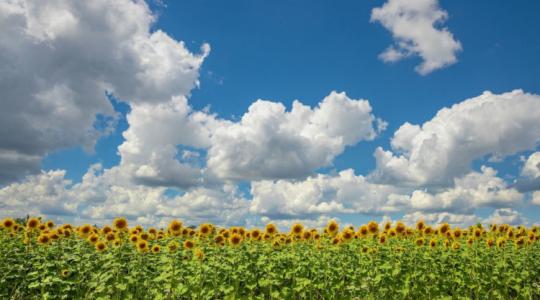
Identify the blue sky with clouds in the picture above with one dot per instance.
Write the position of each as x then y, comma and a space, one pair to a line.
231, 171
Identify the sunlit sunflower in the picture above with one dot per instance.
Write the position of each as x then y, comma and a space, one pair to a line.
175, 226
433, 243
336, 240
120, 224
392, 232
457, 233
43, 239
446, 243
347, 234
363, 230
428, 230
93, 238
218, 239
255, 233
152, 231
444, 228
50, 224
235, 239
470, 241
42, 227
510, 233
276, 243
382, 238
297, 228
500, 242
134, 238
373, 227
33, 223
306, 235
156, 249
142, 246
117, 243
420, 225
490, 243
478, 232
134, 231
110, 236
271, 229
400, 227
387, 226
332, 227
65, 273
85, 230
100, 246
106, 229
456, 245
520, 241
419, 242
189, 244
8, 223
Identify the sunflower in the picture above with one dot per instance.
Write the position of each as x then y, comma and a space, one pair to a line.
235, 239
53, 235
363, 231
500, 242
347, 234
219, 239
373, 227
420, 225
93, 238
43, 239
120, 224
117, 243
510, 233
433, 243
387, 226
175, 226
456, 245
520, 241
493, 227
332, 227
65, 273
85, 229
42, 227
382, 238
33, 223
306, 235
316, 236
478, 232
242, 231
67, 233
205, 229
365, 249
470, 241
392, 232
134, 231
336, 240
8, 223
400, 227
446, 243
271, 229
152, 231
276, 243
110, 236
144, 236
444, 228
50, 224
156, 249
106, 229
173, 246
189, 244
255, 233
134, 238
490, 243
100, 246
142, 246
457, 233
297, 228
419, 242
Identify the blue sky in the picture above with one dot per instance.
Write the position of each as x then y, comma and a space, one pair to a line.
282, 51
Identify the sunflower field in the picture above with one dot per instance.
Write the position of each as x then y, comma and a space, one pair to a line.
40, 260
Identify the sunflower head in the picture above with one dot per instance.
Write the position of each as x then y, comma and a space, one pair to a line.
520, 241
65, 273
347, 234
457, 233
33, 223
433, 243
297, 228
419, 242
363, 231
120, 224
373, 227
85, 230
93, 238
100, 246
235, 239
500, 242
490, 243
306, 235
332, 227
456, 245
387, 226
478, 232
43, 239
142, 246
156, 249
255, 234
110, 236
382, 238
50, 224
189, 244
271, 229
470, 241
400, 227
106, 229
8, 223
134, 238
420, 225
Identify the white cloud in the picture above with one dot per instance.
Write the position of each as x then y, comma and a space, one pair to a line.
476, 189
415, 27
57, 59
506, 216
535, 198
270, 142
453, 219
444, 147
531, 168
323, 194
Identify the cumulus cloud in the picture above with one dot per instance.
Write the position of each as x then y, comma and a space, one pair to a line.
441, 217
57, 60
444, 147
506, 216
270, 142
476, 189
416, 29
530, 174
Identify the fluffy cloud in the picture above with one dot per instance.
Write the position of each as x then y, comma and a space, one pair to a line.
476, 189
536, 198
530, 174
441, 217
415, 28
270, 142
57, 60
444, 147
506, 216
323, 194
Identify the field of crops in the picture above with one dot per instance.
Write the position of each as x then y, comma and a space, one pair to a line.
40, 260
